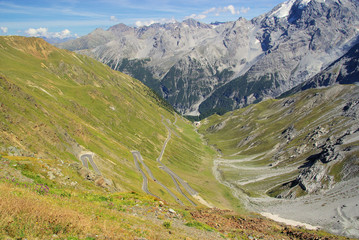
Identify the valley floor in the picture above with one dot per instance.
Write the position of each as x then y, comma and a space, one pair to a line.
336, 210
52, 210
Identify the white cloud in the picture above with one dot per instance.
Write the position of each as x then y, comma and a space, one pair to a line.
39, 32
218, 11
4, 29
43, 32
195, 16
231, 9
63, 34
113, 19
244, 10
210, 10
140, 23
144, 23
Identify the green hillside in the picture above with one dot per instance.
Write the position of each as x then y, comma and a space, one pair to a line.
55, 104
56, 107
269, 148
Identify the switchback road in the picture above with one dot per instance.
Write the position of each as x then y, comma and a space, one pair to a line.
138, 158
174, 176
85, 157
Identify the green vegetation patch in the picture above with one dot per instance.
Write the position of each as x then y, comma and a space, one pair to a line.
199, 225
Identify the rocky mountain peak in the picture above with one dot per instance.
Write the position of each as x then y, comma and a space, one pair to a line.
274, 52
283, 9
119, 28
193, 23
292, 7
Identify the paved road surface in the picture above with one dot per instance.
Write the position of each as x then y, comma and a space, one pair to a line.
138, 158
89, 157
186, 186
174, 176
177, 185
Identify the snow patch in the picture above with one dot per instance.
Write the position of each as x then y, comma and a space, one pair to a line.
284, 9
305, 2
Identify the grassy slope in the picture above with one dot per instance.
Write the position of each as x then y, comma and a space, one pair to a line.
259, 132
71, 213
30, 210
53, 105
56, 104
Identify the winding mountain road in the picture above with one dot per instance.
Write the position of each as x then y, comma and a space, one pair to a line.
88, 157
174, 176
138, 158
164, 168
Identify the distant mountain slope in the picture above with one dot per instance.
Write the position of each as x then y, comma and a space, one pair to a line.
206, 68
299, 38
302, 149
292, 131
57, 107
55, 104
345, 70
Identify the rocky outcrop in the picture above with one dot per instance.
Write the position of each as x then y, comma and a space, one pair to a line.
93, 177
315, 178
319, 173
351, 109
289, 133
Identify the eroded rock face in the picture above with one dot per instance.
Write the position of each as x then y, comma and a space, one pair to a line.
93, 177
87, 174
344, 70
317, 174
351, 109
206, 68
315, 178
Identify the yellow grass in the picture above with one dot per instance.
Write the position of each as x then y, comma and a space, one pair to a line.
27, 214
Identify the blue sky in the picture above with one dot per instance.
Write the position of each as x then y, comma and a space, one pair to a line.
64, 18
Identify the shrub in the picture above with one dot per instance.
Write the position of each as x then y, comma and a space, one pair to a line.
167, 224
199, 225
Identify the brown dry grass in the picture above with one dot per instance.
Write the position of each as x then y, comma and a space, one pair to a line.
27, 214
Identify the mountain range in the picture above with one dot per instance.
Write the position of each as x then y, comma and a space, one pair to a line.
202, 69
87, 152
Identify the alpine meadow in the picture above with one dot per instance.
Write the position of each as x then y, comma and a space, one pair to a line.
166, 129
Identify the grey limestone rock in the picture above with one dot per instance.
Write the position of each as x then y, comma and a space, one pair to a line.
205, 68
